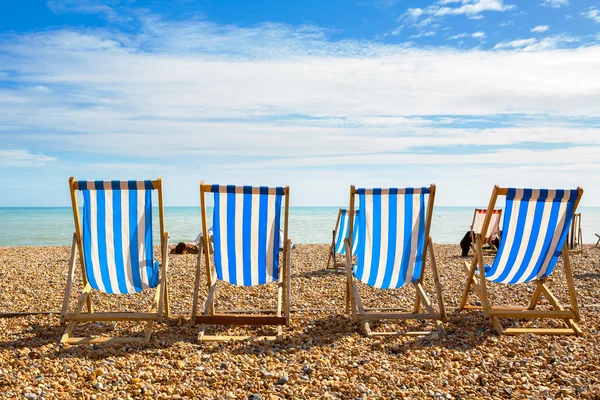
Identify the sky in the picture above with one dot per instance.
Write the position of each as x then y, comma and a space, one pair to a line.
313, 94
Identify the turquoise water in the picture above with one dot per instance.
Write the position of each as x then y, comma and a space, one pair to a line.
54, 226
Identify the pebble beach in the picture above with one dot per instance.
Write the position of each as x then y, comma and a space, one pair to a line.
323, 354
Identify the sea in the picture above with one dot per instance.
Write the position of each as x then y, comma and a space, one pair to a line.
54, 226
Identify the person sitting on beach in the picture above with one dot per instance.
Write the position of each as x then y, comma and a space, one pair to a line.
185, 248
210, 234
465, 243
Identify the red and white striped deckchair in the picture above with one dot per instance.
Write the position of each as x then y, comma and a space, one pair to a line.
493, 229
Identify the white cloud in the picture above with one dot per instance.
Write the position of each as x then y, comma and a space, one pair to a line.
515, 44
22, 158
533, 44
470, 8
555, 3
266, 104
474, 35
422, 34
475, 7
540, 28
85, 7
592, 13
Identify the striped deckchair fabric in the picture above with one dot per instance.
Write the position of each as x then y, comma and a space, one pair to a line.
493, 228
339, 235
392, 244
117, 236
535, 228
342, 233
535, 225
114, 239
246, 248
391, 229
246, 234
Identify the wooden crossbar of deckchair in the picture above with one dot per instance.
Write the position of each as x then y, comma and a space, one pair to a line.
239, 319
113, 316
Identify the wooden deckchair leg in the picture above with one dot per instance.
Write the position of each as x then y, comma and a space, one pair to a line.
361, 310
163, 301
417, 304
288, 283
536, 295
208, 307
570, 283
350, 298
331, 252
154, 309
557, 306
470, 282
497, 325
482, 280
280, 301
197, 282
429, 307
436, 280
65, 307
473, 284
82, 299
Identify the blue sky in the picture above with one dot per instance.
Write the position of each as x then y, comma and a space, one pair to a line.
314, 94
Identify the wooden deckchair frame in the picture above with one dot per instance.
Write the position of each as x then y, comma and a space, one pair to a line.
354, 305
496, 313
492, 249
159, 308
575, 237
598, 242
332, 253
281, 315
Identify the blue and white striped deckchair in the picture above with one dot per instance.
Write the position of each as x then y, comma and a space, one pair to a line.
339, 234
114, 238
392, 244
536, 223
246, 224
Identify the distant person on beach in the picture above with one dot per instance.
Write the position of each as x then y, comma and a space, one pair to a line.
192, 248
465, 243
210, 233
185, 248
